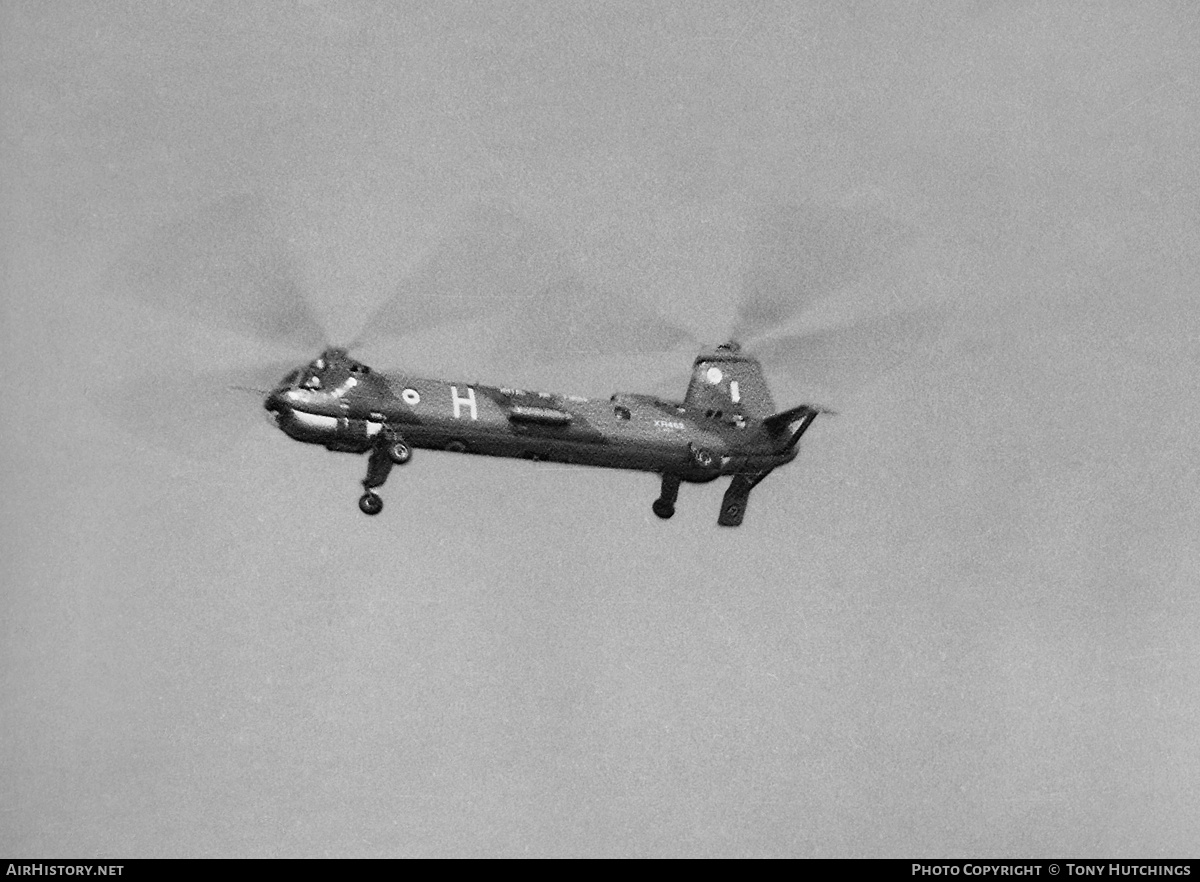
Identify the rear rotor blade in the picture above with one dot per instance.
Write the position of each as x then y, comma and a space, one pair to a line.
847, 357
836, 263
806, 252
839, 295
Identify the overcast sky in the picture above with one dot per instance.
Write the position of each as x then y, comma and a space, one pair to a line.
963, 622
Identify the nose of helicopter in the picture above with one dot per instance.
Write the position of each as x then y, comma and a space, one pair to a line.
274, 401
280, 409
281, 403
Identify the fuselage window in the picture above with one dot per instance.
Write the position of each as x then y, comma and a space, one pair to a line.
622, 412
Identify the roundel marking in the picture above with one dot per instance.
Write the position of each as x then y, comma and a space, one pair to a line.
714, 375
411, 397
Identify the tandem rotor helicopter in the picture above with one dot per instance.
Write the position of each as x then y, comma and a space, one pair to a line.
229, 265
726, 424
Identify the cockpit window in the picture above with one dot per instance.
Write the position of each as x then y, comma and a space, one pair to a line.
313, 382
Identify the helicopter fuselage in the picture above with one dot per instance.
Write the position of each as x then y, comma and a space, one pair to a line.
344, 405
625, 432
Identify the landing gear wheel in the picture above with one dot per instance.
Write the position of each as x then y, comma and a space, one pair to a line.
399, 452
663, 509
370, 503
704, 459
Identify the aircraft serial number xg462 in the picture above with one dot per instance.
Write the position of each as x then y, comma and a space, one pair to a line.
726, 424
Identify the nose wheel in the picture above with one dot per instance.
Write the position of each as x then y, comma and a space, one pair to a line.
392, 451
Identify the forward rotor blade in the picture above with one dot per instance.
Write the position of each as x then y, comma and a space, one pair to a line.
574, 319
229, 266
488, 265
202, 415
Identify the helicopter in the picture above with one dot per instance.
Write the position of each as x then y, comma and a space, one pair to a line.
228, 265
726, 424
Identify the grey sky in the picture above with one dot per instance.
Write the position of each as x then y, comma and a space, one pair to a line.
963, 622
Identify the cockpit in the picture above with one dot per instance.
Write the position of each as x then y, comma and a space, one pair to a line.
329, 371
321, 382
313, 374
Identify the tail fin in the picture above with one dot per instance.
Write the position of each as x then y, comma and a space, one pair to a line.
726, 381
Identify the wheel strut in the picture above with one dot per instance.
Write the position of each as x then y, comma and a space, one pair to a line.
379, 466
664, 506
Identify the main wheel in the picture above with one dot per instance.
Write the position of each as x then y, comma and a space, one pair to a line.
705, 459
399, 452
370, 503
663, 509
